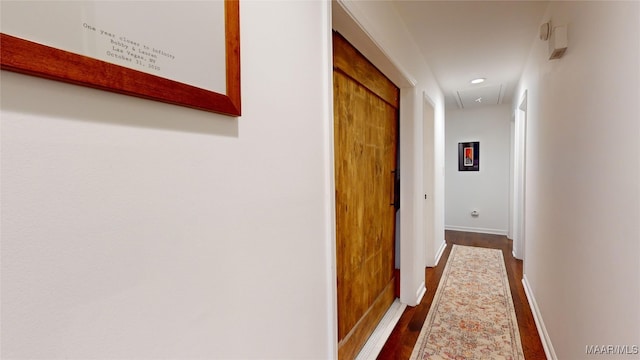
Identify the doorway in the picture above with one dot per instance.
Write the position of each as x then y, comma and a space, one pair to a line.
428, 180
366, 107
517, 220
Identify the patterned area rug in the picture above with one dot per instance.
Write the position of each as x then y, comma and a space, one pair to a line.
472, 314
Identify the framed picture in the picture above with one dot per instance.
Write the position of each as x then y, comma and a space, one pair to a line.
192, 61
469, 156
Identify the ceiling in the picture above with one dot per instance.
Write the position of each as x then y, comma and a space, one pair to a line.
464, 40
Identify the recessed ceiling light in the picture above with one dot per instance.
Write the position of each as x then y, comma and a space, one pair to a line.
478, 80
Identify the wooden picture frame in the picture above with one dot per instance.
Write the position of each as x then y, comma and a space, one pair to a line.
28, 57
469, 156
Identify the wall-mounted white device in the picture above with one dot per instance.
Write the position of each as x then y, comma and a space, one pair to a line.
558, 42
557, 37
475, 213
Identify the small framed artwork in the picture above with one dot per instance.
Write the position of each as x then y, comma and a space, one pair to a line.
469, 156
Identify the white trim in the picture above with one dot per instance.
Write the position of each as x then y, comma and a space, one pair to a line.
330, 186
420, 293
476, 230
520, 178
440, 252
381, 334
370, 47
537, 317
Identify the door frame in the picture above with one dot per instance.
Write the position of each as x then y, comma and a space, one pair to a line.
428, 180
519, 156
412, 263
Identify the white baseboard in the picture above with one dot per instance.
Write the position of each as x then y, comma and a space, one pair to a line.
537, 317
381, 334
440, 252
476, 230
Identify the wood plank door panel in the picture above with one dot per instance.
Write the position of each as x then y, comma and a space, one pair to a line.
365, 142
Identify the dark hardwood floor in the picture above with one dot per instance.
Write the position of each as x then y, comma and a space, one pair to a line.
404, 336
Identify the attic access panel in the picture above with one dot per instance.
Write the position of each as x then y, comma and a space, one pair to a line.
478, 96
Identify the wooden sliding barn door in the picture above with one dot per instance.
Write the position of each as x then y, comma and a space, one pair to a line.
366, 133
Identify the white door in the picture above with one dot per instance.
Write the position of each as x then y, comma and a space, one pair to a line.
428, 179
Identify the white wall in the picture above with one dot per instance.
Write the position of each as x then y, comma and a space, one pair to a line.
377, 30
135, 229
487, 190
582, 256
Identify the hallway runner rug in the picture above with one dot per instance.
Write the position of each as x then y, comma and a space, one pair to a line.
472, 315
